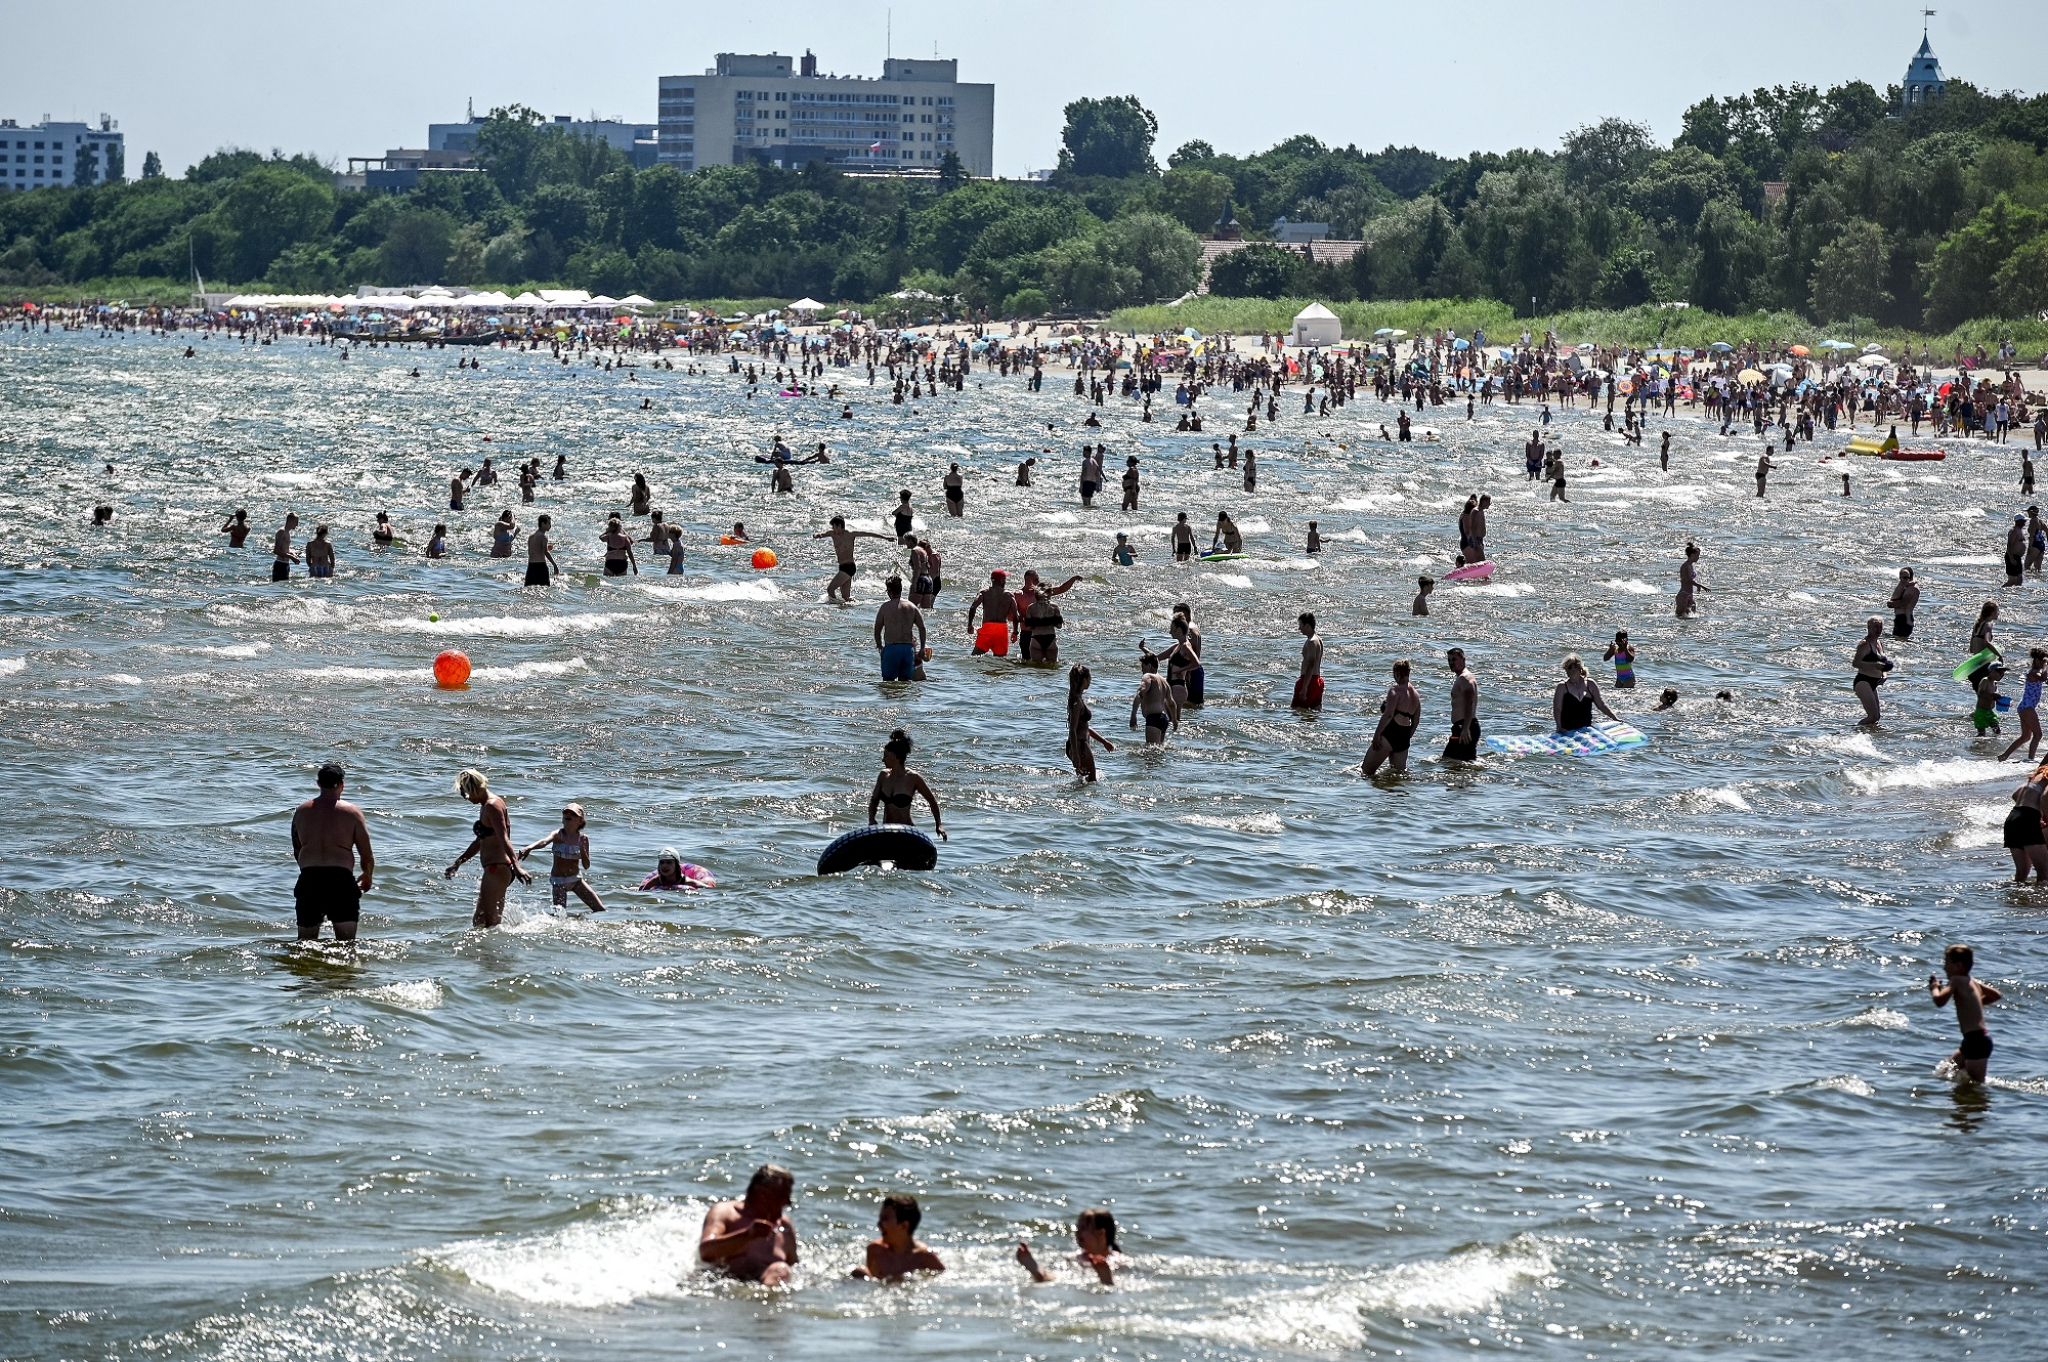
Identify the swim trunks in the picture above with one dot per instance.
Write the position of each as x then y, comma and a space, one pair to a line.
1902, 626
1976, 1045
1089, 489
1193, 682
536, 574
849, 568
1465, 748
320, 570
614, 567
993, 638
1158, 720
326, 892
1308, 693
280, 570
2023, 828
899, 662
1984, 719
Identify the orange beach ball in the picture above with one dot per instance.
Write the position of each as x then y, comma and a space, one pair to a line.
765, 559
451, 669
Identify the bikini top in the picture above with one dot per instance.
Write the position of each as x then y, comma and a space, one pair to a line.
897, 801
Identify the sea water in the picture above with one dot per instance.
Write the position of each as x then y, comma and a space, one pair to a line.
1621, 1057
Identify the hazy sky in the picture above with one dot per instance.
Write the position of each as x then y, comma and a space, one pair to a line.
356, 78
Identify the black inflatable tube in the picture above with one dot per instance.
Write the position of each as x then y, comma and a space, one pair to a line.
908, 848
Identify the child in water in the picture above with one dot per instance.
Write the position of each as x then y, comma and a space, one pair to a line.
1624, 658
1121, 555
1094, 1237
1315, 538
1969, 996
2030, 700
897, 1253
571, 849
1424, 585
1985, 717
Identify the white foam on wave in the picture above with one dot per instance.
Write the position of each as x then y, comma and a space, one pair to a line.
1256, 822
1059, 517
1725, 795
613, 1260
1501, 589
1855, 744
508, 626
1231, 579
1335, 1316
1967, 560
1253, 526
1986, 825
417, 995
292, 479
11, 665
124, 679
1634, 586
1375, 502
1884, 1018
1926, 775
241, 650
292, 610
759, 590
1848, 1083
524, 671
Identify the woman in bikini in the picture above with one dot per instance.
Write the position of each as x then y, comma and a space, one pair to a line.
618, 550
1689, 582
896, 785
1079, 716
1871, 664
492, 846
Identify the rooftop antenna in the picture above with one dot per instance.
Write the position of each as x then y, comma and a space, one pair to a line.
889, 35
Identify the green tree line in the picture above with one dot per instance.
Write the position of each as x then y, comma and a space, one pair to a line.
1784, 199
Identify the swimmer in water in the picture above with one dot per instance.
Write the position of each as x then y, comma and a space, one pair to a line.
1183, 539
1226, 535
1463, 744
1121, 555
1308, 683
492, 846
540, 554
899, 634
1400, 713
282, 556
2029, 705
320, 553
1668, 700
1689, 582
671, 871
237, 529
328, 835
618, 549
1870, 666
1623, 656
1905, 599
1154, 698
999, 613
571, 848
896, 785
752, 1238
383, 535
1315, 539
1095, 1244
896, 1252
1423, 587
843, 539
1575, 698
1973, 1056
1079, 716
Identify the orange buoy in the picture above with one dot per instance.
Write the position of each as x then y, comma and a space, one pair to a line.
451, 669
765, 558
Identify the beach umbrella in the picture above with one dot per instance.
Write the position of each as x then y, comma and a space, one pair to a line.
1461, 344
635, 300
1872, 348
1386, 331
1749, 376
1720, 347
1800, 351
1836, 345
1397, 333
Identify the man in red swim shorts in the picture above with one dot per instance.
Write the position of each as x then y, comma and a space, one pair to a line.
999, 616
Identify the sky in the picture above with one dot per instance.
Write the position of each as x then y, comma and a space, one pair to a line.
355, 79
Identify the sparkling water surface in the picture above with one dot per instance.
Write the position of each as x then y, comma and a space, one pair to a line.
1617, 1057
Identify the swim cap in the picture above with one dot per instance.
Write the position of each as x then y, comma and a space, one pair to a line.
669, 854
999, 575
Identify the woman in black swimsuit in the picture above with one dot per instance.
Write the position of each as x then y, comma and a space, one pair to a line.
1870, 665
1079, 716
1573, 702
897, 785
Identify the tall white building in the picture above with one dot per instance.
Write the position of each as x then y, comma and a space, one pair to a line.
44, 154
780, 110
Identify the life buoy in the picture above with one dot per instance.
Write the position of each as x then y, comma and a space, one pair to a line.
906, 847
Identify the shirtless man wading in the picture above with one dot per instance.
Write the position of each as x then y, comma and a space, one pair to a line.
752, 1238
1465, 735
843, 541
999, 615
328, 833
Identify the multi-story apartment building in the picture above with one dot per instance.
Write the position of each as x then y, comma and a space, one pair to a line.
779, 109
47, 153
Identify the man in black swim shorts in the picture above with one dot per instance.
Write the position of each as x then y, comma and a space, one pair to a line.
328, 833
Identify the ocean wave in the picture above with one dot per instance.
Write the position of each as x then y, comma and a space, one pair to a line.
1848, 1083
1255, 822
612, 1260
508, 626
1884, 1018
291, 610
761, 589
1499, 589
1927, 775
417, 995
1231, 579
1634, 586
9, 666
1377, 501
524, 671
